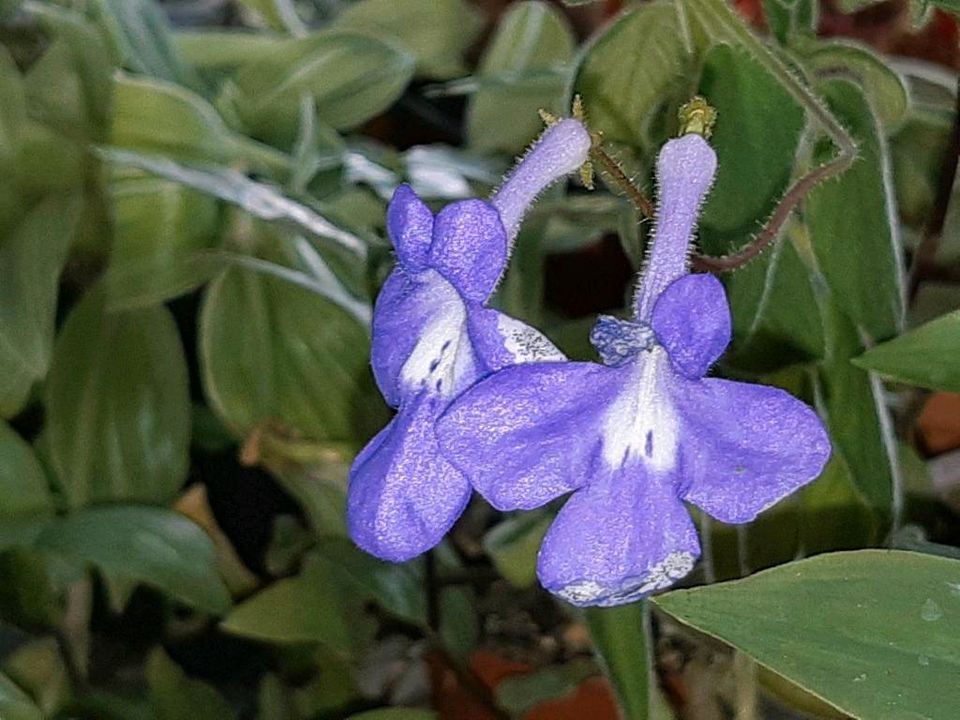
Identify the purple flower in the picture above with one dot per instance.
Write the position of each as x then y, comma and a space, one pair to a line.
433, 338
635, 437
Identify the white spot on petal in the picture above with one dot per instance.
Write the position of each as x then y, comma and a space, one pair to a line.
641, 423
526, 344
662, 575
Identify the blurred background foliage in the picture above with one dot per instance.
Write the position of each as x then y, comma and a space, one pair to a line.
191, 237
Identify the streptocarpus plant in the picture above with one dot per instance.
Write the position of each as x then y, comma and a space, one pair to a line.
433, 337
634, 437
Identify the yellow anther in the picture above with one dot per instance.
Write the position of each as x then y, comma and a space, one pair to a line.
697, 116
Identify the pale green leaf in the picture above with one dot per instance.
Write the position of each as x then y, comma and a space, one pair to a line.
31, 258
928, 356
118, 405
532, 38
23, 485
630, 69
435, 32
15, 704
871, 632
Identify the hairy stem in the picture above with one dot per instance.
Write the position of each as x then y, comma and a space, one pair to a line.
619, 179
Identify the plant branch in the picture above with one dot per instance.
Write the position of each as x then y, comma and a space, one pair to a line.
619, 179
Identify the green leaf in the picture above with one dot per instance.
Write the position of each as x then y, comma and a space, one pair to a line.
397, 588
833, 516
259, 199
621, 636
519, 694
23, 485
13, 110
855, 412
435, 32
302, 609
513, 545
153, 116
149, 545
395, 714
31, 256
774, 310
141, 33
870, 631
882, 85
631, 69
532, 39
159, 226
278, 14
224, 49
349, 77
756, 137
852, 229
928, 356
118, 405
459, 621
174, 696
271, 350
788, 18
15, 704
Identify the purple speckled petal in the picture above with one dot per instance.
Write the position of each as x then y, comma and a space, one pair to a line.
530, 433
692, 321
406, 307
469, 247
745, 446
501, 341
621, 538
403, 495
410, 226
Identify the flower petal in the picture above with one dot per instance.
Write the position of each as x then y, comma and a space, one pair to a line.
410, 226
692, 321
417, 320
745, 446
529, 433
621, 538
501, 341
403, 495
469, 247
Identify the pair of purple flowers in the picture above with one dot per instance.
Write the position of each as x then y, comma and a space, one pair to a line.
486, 402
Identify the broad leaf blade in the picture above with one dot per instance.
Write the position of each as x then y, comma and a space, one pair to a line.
532, 40
871, 632
118, 405
150, 545
928, 356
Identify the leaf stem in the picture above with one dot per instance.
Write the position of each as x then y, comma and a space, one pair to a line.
619, 179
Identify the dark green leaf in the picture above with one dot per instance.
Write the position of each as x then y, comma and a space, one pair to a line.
787, 18
174, 696
870, 632
521, 693
928, 356
349, 77
141, 33
852, 229
118, 405
13, 110
435, 32
833, 516
149, 545
459, 621
532, 37
622, 639
855, 413
629, 71
397, 588
756, 136
31, 259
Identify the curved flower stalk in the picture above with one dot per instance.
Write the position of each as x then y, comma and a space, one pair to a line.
636, 436
433, 337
